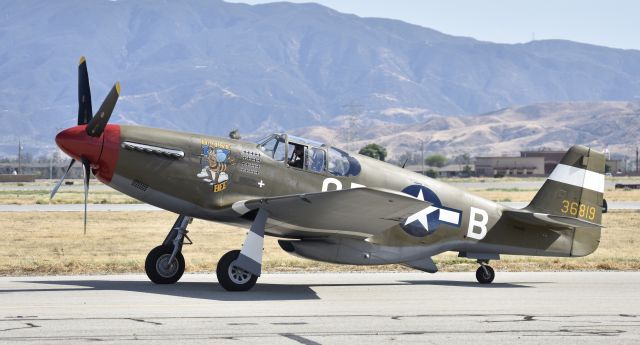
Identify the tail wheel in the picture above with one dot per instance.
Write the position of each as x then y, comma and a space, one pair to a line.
485, 274
231, 277
158, 267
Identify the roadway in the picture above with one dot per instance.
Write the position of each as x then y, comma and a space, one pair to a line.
326, 308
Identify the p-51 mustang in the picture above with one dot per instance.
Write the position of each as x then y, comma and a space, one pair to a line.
324, 203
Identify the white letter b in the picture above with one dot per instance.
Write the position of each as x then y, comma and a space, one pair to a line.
481, 224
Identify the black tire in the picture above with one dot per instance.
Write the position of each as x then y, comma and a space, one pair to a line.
159, 273
485, 274
233, 278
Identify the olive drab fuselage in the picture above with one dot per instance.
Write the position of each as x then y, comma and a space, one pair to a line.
204, 177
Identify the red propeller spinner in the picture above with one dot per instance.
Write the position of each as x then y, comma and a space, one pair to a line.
100, 152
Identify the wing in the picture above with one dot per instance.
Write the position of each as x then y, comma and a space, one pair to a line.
359, 212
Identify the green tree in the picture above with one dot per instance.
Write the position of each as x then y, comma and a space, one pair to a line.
463, 159
436, 160
374, 151
234, 134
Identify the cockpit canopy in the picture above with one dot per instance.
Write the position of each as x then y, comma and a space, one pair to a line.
309, 155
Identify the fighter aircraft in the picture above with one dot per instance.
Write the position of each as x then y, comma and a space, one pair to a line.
322, 202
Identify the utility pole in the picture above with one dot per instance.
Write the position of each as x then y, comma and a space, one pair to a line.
422, 155
637, 170
20, 156
51, 167
354, 111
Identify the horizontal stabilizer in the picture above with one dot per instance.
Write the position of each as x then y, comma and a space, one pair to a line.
548, 220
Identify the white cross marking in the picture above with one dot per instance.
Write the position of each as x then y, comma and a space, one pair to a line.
446, 216
260, 184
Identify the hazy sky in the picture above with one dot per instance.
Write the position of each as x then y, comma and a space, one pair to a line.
614, 23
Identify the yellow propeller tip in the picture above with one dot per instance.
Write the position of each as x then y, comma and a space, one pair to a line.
82, 60
118, 87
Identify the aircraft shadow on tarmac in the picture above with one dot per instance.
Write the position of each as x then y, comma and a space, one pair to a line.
213, 291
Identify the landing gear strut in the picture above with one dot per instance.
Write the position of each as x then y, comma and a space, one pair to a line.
238, 270
485, 274
165, 263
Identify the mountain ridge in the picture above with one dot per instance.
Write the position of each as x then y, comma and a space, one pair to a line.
600, 125
210, 66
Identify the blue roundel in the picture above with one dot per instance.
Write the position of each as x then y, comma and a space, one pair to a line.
427, 194
417, 228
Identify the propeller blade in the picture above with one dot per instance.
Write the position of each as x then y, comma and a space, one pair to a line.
86, 174
55, 188
85, 112
99, 122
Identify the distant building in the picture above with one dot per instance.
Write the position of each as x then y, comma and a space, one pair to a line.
551, 158
616, 166
510, 166
531, 163
451, 170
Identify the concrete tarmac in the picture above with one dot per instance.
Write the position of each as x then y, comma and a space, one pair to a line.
326, 308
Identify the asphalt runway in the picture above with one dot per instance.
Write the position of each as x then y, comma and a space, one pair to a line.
326, 308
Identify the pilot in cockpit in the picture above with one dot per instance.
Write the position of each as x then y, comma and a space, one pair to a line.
297, 158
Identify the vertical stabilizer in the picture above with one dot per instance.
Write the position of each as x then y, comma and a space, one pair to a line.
575, 189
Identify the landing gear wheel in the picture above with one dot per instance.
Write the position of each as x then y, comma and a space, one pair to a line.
234, 278
485, 274
158, 267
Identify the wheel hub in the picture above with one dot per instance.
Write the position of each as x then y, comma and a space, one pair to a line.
165, 268
238, 275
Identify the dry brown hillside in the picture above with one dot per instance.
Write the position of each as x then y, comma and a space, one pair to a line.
551, 125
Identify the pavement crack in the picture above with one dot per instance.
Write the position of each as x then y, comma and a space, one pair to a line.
21, 317
29, 325
146, 321
299, 339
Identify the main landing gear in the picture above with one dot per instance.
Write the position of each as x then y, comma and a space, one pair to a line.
232, 277
238, 270
165, 263
485, 274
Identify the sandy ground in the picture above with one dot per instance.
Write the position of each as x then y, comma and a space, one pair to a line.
117, 242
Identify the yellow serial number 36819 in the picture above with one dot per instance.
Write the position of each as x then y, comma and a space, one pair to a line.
581, 210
